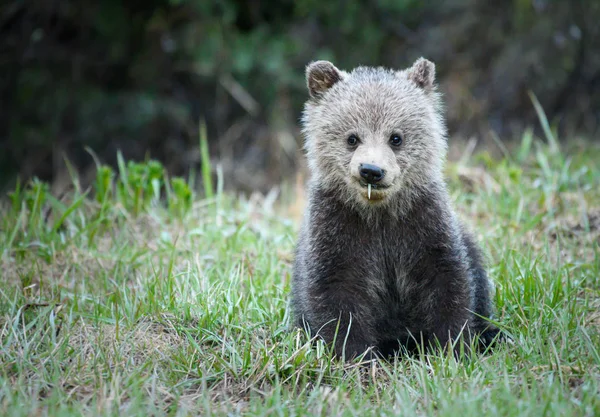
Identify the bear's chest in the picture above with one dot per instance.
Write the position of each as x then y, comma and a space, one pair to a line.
394, 261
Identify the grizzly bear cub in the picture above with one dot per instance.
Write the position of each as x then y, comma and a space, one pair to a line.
382, 260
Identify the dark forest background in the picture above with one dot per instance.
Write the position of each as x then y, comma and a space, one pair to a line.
140, 76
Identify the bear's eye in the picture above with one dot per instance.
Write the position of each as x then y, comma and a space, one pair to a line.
352, 140
395, 139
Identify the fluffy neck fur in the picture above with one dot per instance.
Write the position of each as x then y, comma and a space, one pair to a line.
396, 206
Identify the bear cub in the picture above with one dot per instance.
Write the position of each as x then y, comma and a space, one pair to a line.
382, 261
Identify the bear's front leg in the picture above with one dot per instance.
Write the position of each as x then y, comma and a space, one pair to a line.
445, 299
343, 321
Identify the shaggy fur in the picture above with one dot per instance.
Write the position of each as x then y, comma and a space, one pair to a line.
397, 268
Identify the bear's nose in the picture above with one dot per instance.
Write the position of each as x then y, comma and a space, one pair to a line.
371, 173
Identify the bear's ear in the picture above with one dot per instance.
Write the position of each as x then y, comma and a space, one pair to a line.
321, 76
422, 73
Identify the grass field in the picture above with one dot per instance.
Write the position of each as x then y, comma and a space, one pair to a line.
114, 303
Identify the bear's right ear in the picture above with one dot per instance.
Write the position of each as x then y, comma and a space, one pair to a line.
422, 73
321, 76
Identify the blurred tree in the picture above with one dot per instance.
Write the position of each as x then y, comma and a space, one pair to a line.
138, 76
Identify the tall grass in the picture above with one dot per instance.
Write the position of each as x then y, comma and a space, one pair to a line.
131, 299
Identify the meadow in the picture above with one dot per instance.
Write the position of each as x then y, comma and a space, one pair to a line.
139, 296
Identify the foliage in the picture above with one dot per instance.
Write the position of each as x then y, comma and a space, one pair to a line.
137, 76
45, 221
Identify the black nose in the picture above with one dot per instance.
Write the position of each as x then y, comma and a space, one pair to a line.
371, 173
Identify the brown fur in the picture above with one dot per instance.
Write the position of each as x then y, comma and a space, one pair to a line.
397, 265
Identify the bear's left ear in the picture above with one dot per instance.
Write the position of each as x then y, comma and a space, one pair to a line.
422, 73
321, 76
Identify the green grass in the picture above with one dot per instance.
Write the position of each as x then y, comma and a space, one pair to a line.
140, 298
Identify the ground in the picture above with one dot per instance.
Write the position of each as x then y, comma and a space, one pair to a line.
117, 302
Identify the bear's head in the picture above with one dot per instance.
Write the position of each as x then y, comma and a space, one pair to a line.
373, 135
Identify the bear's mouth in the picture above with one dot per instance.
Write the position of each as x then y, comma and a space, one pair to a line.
373, 186
373, 192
